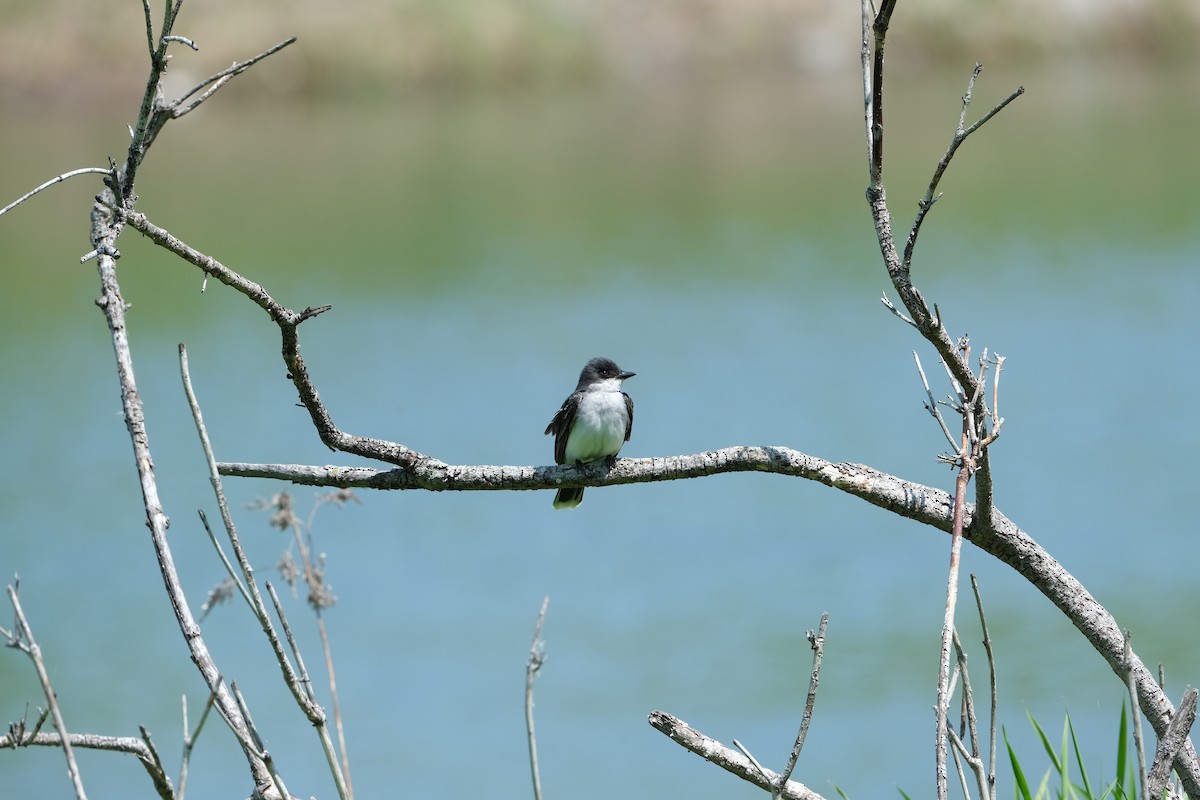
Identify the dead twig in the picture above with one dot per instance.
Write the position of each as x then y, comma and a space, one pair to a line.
932, 195
189, 740
1136, 714
537, 657
727, 758
991, 661
300, 686
817, 642
53, 182
21, 638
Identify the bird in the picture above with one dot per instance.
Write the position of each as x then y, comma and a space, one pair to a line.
593, 423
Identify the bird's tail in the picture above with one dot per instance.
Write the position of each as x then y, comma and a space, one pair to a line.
568, 498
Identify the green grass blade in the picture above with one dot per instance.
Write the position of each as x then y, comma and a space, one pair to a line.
1043, 790
1064, 763
1122, 757
1049, 748
1022, 787
1087, 786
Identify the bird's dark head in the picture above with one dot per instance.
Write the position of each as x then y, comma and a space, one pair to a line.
602, 369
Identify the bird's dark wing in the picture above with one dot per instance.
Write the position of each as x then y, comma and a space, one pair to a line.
560, 426
629, 408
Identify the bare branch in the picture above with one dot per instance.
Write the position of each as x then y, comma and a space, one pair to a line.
817, 641
300, 683
149, 27
969, 722
300, 687
931, 404
943, 686
276, 779
1170, 743
887, 302
219, 79
53, 181
250, 588
997, 420
22, 638
960, 135
991, 660
1136, 714
182, 40
288, 322
754, 762
130, 745
189, 740
537, 657
727, 758
154, 767
961, 752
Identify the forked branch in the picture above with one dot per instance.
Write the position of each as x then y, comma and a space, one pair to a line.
983, 525
728, 758
108, 214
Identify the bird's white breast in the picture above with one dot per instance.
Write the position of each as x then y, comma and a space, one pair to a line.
600, 424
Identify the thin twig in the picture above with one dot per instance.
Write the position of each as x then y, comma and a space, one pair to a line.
1136, 713
55, 180
931, 405
537, 657
750, 757
154, 767
943, 696
865, 56
219, 79
265, 754
968, 695
997, 420
817, 642
22, 638
970, 722
300, 687
334, 701
319, 597
960, 135
233, 576
189, 741
302, 690
890, 306
302, 676
182, 40
987, 649
149, 27
962, 754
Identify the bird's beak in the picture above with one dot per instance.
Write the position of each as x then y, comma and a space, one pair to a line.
625, 375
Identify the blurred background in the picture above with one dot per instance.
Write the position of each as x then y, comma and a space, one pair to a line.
489, 192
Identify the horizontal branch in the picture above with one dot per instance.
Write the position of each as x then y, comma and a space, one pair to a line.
141, 748
999, 536
909, 499
91, 741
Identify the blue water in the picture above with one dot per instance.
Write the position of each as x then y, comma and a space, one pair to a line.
690, 596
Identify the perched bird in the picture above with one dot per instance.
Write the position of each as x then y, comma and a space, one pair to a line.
593, 422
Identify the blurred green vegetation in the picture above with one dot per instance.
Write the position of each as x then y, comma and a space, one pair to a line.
366, 48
